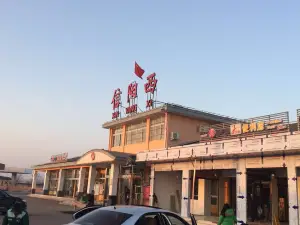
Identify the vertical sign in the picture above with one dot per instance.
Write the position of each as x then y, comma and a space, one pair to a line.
116, 102
132, 98
151, 90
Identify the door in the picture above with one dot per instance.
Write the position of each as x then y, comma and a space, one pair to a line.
214, 198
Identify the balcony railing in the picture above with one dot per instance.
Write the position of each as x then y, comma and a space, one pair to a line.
280, 143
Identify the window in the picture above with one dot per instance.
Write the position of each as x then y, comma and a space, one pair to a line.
136, 133
117, 137
157, 128
151, 218
2, 194
107, 218
173, 219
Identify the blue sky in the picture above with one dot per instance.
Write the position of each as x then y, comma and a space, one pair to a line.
60, 62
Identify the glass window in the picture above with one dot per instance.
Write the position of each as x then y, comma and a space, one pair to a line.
157, 128
136, 133
117, 137
54, 174
2, 195
107, 218
151, 218
173, 219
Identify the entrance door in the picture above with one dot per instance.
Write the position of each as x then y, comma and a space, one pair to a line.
214, 198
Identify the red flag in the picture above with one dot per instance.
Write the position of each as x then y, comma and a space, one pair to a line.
138, 70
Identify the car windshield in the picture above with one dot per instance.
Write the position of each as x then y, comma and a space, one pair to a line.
103, 217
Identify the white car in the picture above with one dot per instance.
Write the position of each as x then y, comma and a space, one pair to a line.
127, 215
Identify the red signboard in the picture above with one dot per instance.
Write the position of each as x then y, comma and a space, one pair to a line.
59, 158
150, 89
116, 102
131, 98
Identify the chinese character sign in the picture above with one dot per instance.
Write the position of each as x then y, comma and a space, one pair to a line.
150, 89
150, 86
131, 98
132, 91
116, 102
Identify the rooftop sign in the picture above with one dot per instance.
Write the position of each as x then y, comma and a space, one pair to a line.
59, 158
150, 89
274, 123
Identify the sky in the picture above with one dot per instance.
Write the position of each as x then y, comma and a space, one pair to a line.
60, 62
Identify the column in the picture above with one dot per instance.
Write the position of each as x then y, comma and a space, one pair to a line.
241, 191
221, 200
152, 179
80, 185
14, 179
33, 186
185, 201
60, 183
274, 198
91, 180
292, 192
46, 183
113, 184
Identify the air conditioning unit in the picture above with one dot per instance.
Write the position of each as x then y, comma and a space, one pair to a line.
174, 136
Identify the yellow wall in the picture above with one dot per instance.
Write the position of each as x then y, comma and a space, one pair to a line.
138, 147
186, 127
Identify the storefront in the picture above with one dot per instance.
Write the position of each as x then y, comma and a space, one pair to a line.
96, 171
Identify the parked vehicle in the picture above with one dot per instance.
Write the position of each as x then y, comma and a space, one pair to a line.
7, 201
127, 215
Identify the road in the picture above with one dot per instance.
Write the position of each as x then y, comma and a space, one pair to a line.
46, 212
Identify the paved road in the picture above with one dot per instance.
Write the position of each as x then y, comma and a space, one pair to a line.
47, 212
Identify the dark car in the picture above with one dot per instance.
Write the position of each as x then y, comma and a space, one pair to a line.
7, 201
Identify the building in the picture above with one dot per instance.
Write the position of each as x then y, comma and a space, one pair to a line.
113, 173
253, 165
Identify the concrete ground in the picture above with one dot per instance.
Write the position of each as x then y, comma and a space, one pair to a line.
46, 212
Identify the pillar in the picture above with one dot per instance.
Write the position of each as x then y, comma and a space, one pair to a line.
33, 186
274, 198
152, 179
91, 180
221, 197
14, 179
80, 184
46, 182
185, 201
241, 191
113, 184
60, 184
292, 191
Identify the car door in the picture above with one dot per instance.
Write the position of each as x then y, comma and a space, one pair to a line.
173, 219
6, 201
2, 201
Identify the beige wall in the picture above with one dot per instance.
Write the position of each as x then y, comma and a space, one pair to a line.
186, 127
